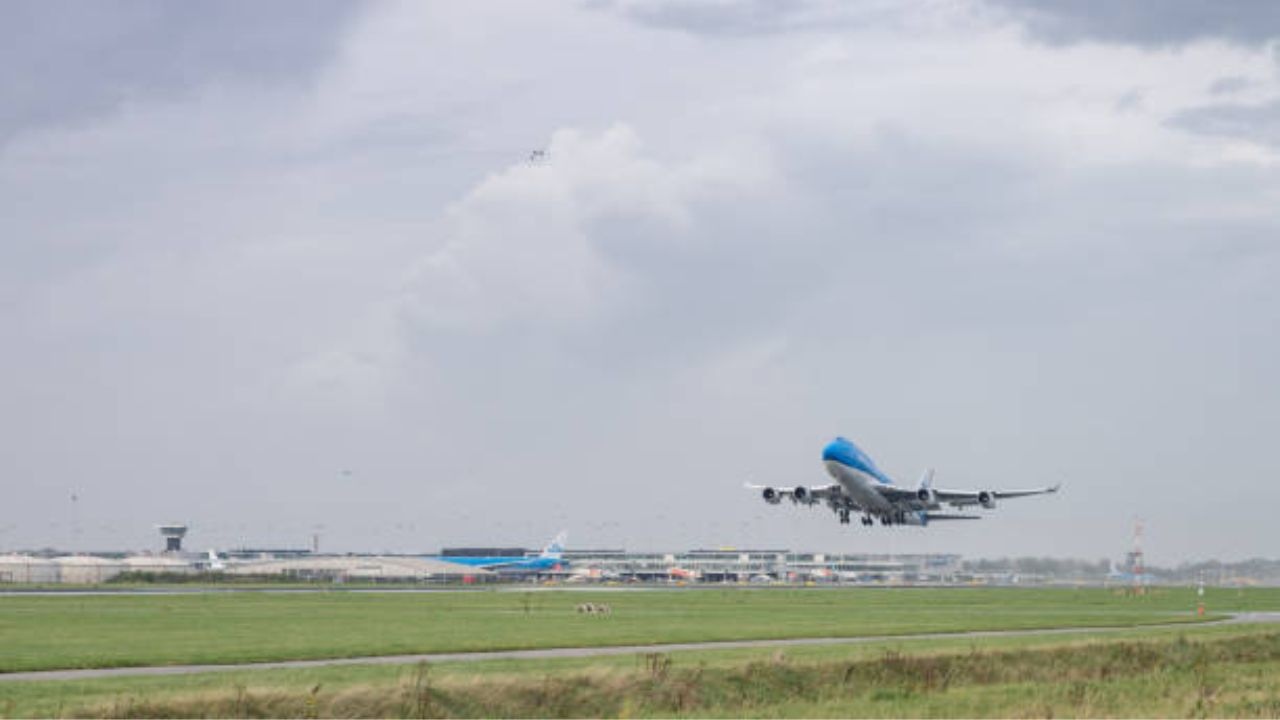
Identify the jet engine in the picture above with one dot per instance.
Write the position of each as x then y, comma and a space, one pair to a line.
771, 496
801, 493
927, 496
986, 499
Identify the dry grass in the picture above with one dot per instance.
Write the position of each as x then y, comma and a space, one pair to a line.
1234, 677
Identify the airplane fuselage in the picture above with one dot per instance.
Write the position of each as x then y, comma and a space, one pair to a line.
858, 486
505, 564
857, 475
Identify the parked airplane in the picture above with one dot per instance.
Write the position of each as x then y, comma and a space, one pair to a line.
215, 563
861, 487
591, 574
549, 559
678, 573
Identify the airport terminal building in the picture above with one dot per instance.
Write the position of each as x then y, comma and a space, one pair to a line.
760, 565
579, 566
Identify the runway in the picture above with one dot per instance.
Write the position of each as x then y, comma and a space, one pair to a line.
602, 651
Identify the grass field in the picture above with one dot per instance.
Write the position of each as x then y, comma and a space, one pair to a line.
1194, 671
104, 631
100, 631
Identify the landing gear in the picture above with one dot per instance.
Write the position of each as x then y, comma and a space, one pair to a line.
844, 517
884, 520
866, 520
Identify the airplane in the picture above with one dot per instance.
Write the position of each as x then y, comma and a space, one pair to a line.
861, 487
214, 563
551, 558
676, 573
591, 574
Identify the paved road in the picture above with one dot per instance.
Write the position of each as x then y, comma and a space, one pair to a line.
578, 652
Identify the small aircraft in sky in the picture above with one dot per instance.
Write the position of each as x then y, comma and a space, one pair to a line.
861, 487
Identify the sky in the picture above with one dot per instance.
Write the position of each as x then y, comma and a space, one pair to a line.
412, 275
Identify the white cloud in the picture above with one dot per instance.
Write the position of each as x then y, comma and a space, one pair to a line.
527, 246
934, 235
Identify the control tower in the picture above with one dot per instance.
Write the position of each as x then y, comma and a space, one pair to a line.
173, 535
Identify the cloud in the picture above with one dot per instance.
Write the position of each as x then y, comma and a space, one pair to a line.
1258, 123
63, 61
555, 241
1168, 23
749, 17
1059, 22
965, 249
1231, 84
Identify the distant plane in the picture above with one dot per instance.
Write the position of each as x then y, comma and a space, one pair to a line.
211, 562
679, 573
549, 559
215, 563
861, 487
591, 574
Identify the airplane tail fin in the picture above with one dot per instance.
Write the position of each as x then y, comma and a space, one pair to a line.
555, 548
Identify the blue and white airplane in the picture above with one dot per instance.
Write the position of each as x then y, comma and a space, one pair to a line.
551, 558
861, 487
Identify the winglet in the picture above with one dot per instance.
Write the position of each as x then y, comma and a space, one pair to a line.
926, 480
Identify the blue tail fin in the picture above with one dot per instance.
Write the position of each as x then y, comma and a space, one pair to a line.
555, 549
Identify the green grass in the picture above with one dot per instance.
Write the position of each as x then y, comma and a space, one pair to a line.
104, 631
1179, 672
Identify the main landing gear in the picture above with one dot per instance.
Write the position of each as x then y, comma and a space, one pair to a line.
894, 518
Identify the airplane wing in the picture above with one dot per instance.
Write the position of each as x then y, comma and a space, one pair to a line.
895, 494
986, 498
832, 495
799, 493
823, 492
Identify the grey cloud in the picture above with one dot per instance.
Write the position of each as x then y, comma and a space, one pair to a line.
1171, 22
642, 323
1254, 123
748, 17
1231, 84
66, 60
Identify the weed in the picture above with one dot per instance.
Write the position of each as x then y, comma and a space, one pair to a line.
657, 665
313, 702
418, 700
